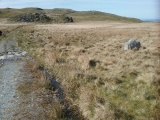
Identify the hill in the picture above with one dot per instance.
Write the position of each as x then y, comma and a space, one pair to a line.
57, 14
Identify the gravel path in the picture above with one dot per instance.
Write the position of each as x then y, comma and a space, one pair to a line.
2, 46
9, 76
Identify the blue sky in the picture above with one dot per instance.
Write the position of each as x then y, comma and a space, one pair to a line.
143, 9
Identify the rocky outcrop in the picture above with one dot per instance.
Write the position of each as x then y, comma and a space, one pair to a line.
62, 19
32, 17
69, 19
132, 44
42, 18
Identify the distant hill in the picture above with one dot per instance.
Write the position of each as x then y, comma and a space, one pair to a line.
151, 20
76, 15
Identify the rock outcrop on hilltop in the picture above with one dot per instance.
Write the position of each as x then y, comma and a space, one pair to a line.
42, 18
32, 17
62, 19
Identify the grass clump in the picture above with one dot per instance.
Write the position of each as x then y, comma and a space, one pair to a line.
42, 89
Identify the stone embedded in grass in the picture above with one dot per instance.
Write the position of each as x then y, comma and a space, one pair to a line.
132, 44
92, 63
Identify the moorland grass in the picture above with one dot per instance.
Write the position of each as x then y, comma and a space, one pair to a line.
117, 84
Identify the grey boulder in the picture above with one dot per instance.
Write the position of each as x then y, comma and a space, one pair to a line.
132, 44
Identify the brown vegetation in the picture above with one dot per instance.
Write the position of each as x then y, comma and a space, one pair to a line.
97, 75
38, 93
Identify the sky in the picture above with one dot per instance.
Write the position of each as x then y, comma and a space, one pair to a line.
142, 9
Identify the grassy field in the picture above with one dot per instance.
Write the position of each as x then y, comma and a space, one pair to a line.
98, 76
101, 81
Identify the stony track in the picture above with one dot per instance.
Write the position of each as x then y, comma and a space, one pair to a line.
10, 75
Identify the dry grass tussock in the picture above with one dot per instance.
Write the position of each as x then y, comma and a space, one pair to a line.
35, 92
40, 96
97, 75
